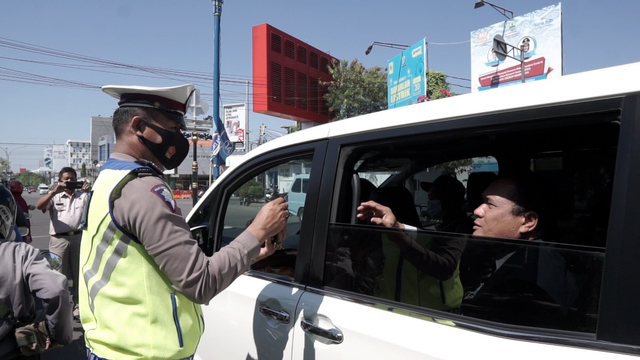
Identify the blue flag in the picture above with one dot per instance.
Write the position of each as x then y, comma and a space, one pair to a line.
221, 147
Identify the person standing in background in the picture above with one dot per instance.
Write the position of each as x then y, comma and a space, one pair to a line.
16, 190
66, 206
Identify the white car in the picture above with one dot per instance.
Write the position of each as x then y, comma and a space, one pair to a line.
341, 290
43, 189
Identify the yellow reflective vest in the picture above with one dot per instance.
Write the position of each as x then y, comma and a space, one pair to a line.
128, 307
411, 286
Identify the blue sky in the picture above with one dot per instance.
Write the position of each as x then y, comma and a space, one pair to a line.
178, 35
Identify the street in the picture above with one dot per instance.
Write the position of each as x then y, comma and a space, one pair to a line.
40, 235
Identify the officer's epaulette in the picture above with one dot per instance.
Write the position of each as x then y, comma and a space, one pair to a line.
148, 169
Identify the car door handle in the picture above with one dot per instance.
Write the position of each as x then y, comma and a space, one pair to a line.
281, 316
333, 335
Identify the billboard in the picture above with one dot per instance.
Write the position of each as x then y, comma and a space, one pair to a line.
538, 34
406, 76
56, 157
235, 123
288, 75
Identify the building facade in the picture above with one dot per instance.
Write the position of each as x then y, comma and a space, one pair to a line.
79, 154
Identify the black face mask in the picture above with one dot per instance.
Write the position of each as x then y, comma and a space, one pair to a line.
173, 149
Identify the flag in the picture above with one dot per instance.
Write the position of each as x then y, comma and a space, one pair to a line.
221, 147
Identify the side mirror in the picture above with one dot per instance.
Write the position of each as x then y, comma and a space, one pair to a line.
201, 234
55, 261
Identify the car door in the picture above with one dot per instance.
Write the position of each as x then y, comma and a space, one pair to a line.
366, 299
253, 317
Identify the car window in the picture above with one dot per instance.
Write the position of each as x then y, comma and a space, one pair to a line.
552, 283
248, 197
296, 187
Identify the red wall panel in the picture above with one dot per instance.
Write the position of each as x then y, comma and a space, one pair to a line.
286, 76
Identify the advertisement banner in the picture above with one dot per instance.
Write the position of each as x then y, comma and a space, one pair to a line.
235, 123
406, 75
538, 34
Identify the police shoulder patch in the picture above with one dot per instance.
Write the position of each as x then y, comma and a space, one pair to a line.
165, 195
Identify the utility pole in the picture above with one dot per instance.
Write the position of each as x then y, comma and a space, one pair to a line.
262, 137
217, 13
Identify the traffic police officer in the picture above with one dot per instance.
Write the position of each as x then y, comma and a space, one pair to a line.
142, 274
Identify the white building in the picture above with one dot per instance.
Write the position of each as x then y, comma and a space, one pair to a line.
103, 138
79, 152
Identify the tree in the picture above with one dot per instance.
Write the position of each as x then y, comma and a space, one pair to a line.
252, 190
437, 85
83, 170
29, 178
355, 90
4, 165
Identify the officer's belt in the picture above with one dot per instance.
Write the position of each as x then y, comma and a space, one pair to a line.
92, 356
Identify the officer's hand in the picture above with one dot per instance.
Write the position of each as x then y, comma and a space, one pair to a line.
271, 245
271, 221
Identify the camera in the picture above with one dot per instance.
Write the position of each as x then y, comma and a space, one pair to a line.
73, 185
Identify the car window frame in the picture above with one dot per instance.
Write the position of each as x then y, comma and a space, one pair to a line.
221, 195
608, 338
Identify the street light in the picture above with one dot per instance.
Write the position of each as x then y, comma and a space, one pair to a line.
8, 154
500, 9
504, 49
385, 44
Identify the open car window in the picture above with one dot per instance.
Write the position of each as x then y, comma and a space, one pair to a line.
248, 196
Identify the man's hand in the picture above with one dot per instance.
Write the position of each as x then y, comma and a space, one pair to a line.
378, 214
86, 187
271, 221
60, 187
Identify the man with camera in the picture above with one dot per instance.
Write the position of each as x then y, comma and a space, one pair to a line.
66, 204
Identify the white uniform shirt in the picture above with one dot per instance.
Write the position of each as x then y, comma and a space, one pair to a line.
67, 212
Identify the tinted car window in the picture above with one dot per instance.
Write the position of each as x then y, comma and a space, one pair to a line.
553, 282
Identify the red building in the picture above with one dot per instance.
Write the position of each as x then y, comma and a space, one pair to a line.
286, 76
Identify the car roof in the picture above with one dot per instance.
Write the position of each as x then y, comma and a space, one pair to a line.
602, 83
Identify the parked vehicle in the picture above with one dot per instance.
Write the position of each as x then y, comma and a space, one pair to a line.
340, 289
298, 194
43, 189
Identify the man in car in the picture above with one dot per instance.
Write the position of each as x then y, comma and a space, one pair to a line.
143, 274
515, 207
436, 257
446, 199
523, 281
